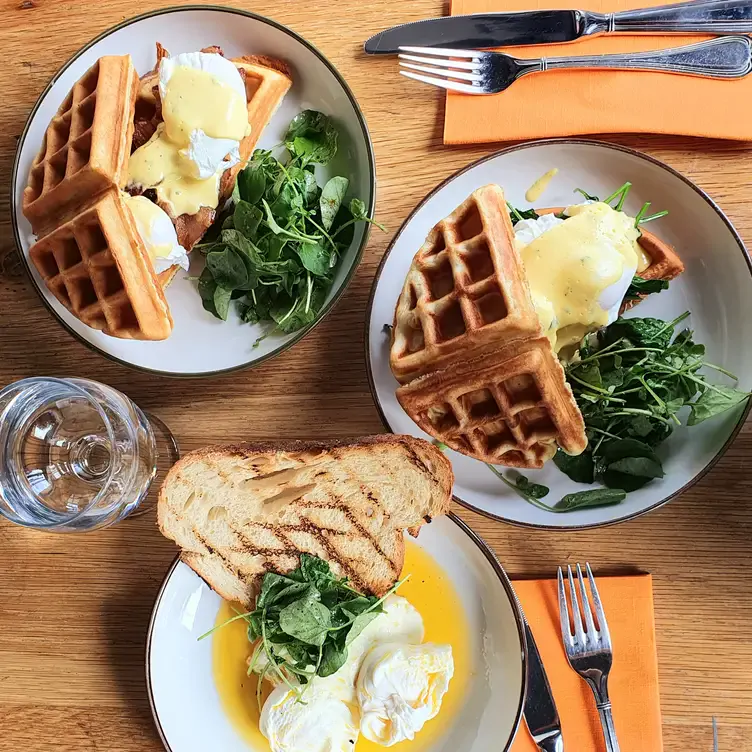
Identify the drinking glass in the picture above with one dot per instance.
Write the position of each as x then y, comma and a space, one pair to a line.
76, 455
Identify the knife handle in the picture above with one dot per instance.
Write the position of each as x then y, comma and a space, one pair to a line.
700, 16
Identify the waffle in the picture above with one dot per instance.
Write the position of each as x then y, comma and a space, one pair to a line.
97, 266
465, 292
664, 260
512, 407
467, 340
86, 146
266, 82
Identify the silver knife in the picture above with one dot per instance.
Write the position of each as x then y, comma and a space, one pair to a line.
540, 710
484, 30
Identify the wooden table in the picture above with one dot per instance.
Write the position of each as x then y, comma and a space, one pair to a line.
74, 610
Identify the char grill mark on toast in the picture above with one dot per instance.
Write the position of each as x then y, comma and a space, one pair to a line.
365, 533
227, 563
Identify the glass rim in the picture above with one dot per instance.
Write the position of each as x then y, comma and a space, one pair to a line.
69, 382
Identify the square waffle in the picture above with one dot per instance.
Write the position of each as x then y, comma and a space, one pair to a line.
97, 266
512, 407
86, 146
465, 292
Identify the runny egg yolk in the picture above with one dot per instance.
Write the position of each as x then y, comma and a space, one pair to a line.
194, 101
570, 266
428, 589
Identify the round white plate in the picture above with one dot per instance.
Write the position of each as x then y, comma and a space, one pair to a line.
716, 287
201, 345
184, 698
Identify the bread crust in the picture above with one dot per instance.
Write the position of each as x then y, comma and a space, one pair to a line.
356, 522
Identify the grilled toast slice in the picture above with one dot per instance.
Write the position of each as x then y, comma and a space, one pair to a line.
240, 511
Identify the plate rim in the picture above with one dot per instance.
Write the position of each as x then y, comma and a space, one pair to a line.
247, 365
475, 538
507, 150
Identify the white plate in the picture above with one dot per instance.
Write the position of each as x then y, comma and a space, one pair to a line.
716, 287
201, 344
184, 698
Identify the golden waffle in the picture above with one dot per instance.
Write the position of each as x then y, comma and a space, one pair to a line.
97, 266
86, 146
266, 82
465, 292
511, 407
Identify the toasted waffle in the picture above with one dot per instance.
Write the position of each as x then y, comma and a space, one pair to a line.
86, 146
467, 338
97, 266
266, 82
510, 407
465, 292
664, 260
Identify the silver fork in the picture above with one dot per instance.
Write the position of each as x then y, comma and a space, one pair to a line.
491, 72
588, 649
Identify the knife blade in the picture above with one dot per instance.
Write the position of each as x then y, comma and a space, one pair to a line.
540, 713
483, 30
480, 30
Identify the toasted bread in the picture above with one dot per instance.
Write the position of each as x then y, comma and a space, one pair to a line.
240, 511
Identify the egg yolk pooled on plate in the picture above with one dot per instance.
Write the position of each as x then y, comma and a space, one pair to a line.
579, 268
428, 594
205, 116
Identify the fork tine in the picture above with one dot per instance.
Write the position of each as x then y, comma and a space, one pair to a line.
579, 631
443, 83
450, 74
440, 63
586, 607
600, 614
442, 51
566, 630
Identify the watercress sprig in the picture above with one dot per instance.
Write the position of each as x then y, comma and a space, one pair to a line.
275, 247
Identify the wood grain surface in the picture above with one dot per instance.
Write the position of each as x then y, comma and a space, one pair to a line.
74, 610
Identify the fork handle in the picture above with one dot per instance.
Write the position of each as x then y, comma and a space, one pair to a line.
607, 723
724, 57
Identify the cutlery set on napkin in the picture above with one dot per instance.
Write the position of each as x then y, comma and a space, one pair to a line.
581, 651
625, 54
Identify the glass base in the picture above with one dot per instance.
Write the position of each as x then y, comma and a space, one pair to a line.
167, 454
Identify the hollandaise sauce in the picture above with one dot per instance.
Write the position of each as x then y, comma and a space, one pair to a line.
205, 116
432, 594
535, 191
578, 270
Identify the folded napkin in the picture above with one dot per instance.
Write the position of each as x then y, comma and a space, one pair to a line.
568, 103
633, 682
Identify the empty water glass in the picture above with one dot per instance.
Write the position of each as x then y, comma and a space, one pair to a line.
76, 455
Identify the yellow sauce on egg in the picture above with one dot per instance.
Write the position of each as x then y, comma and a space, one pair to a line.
433, 595
194, 100
569, 266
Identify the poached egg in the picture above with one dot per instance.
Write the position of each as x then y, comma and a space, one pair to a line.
204, 119
394, 684
400, 687
579, 268
157, 233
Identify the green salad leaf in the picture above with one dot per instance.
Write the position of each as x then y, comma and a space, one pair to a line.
630, 381
274, 250
304, 622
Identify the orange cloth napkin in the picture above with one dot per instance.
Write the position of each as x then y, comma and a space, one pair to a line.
633, 682
567, 103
